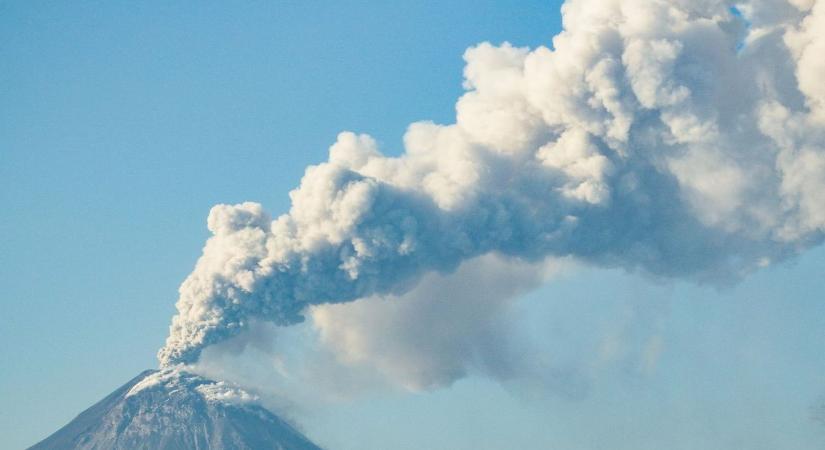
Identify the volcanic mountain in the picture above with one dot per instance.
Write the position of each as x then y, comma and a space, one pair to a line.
172, 409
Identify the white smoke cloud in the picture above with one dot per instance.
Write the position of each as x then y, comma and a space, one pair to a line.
447, 327
682, 138
438, 332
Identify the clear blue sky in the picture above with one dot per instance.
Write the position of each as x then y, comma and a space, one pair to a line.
121, 124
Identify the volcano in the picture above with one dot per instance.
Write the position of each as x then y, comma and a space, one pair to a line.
172, 409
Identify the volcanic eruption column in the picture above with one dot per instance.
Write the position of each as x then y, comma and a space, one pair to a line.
683, 138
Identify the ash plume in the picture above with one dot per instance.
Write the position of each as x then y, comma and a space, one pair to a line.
679, 138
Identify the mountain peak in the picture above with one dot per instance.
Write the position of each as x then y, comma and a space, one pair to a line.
171, 409
177, 382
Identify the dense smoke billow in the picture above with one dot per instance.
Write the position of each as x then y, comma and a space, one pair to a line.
681, 138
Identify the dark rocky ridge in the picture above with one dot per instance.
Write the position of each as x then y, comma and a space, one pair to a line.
175, 410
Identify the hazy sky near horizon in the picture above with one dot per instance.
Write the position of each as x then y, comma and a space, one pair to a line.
122, 124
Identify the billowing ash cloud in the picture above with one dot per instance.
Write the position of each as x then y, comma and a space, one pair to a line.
683, 138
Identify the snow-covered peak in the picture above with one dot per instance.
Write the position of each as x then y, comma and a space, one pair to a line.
177, 380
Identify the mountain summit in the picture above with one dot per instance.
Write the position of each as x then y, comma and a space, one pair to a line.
172, 409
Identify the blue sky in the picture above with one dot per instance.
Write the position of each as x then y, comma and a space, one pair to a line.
122, 124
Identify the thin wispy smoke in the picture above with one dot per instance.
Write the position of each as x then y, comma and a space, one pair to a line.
440, 331
680, 138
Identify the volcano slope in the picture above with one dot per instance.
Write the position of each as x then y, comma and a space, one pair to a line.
175, 410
